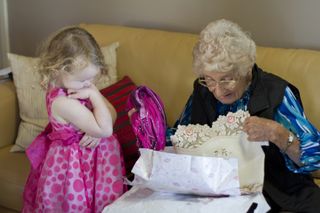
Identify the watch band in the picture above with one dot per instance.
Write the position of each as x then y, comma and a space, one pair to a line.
289, 142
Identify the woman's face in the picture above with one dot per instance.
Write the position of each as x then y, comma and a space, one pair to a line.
227, 87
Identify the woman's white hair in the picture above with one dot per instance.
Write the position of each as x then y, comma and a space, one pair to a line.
224, 47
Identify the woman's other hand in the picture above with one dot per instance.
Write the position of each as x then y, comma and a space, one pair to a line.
316, 174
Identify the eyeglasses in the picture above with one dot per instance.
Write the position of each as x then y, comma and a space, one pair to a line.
211, 84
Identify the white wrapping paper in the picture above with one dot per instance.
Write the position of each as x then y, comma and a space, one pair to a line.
187, 174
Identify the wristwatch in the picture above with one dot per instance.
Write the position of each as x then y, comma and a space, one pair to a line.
289, 142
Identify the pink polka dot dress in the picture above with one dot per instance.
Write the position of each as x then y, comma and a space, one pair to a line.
66, 177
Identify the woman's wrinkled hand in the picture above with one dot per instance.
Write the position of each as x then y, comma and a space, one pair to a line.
89, 141
261, 129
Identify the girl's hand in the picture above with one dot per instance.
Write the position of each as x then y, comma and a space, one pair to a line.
83, 93
130, 112
96, 122
89, 141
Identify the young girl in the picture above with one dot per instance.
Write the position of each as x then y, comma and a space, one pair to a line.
76, 165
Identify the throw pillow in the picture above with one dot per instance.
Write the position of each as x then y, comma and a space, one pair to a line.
31, 96
118, 94
110, 56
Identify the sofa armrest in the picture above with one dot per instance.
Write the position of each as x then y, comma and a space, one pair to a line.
9, 117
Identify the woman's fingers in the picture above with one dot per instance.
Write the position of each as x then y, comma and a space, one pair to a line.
257, 128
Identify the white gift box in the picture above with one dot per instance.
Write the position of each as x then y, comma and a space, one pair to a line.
142, 200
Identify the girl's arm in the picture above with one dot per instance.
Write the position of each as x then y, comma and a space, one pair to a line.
112, 110
97, 123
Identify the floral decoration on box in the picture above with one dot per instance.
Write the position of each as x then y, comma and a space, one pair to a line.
193, 135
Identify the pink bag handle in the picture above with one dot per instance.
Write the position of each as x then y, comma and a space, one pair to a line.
149, 120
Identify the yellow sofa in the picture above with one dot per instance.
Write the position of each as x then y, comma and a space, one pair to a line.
162, 61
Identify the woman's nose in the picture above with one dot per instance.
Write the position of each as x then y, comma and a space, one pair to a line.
217, 90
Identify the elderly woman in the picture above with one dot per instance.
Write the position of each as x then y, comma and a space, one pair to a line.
229, 80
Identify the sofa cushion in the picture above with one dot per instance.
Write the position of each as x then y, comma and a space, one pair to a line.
14, 170
8, 113
118, 94
31, 96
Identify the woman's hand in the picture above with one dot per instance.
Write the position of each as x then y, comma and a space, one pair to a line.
89, 141
262, 129
316, 174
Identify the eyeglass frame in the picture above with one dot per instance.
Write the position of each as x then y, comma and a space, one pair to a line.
203, 82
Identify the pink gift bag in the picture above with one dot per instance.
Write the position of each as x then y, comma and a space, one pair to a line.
149, 120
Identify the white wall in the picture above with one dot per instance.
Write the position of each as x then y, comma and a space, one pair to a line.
4, 34
279, 23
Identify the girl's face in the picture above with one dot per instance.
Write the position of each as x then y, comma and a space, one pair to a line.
81, 78
227, 87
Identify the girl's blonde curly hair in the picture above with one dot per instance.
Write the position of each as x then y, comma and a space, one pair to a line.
224, 47
60, 51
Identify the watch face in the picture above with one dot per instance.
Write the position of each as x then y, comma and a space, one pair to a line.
289, 142
290, 138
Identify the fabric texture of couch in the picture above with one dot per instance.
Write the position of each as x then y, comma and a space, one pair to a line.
162, 61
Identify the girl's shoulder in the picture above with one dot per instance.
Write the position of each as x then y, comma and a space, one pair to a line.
54, 92
58, 93
57, 100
